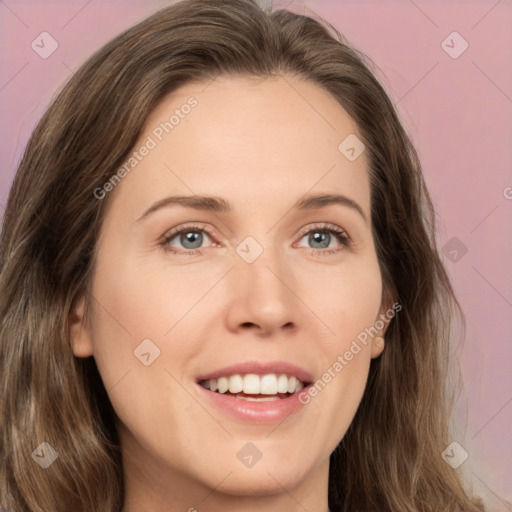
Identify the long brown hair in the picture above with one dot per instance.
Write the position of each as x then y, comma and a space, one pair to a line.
390, 458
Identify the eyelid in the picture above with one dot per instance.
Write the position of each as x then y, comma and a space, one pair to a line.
191, 226
188, 226
322, 226
340, 233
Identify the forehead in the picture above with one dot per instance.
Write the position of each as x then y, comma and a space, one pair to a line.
253, 138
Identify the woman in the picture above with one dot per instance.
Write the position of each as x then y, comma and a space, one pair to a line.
172, 336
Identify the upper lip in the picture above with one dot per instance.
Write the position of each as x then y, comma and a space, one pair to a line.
260, 368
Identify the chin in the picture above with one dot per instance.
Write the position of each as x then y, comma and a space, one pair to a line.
247, 483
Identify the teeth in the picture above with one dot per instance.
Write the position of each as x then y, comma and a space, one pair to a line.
264, 399
268, 385
292, 382
236, 384
282, 384
223, 384
252, 384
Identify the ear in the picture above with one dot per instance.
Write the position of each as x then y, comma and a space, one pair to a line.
79, 332
378, 343
387, 312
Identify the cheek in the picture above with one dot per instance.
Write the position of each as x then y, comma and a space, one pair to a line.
132, 352
123, 319
349, 306
347, 299
142, 320
134, 302
338, 391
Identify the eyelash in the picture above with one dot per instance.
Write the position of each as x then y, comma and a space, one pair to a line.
339, 234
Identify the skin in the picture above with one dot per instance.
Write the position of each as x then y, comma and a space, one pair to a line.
260, 144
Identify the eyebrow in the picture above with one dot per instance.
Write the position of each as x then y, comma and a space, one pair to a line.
219, 205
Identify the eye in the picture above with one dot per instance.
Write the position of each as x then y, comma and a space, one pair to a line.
321, 238
190, 236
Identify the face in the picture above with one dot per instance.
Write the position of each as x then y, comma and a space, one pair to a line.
266, 283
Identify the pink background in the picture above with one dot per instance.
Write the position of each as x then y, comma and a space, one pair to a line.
458, 112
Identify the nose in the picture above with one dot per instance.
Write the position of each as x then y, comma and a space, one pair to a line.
262, 295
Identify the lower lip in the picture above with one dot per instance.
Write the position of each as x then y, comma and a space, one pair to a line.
255, 412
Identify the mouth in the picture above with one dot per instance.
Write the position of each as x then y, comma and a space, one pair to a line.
256, 391
252, 387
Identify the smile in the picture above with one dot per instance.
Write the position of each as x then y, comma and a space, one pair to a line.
256, 388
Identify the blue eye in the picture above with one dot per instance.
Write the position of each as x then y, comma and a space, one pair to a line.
194, 238
191, 237
323, 237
